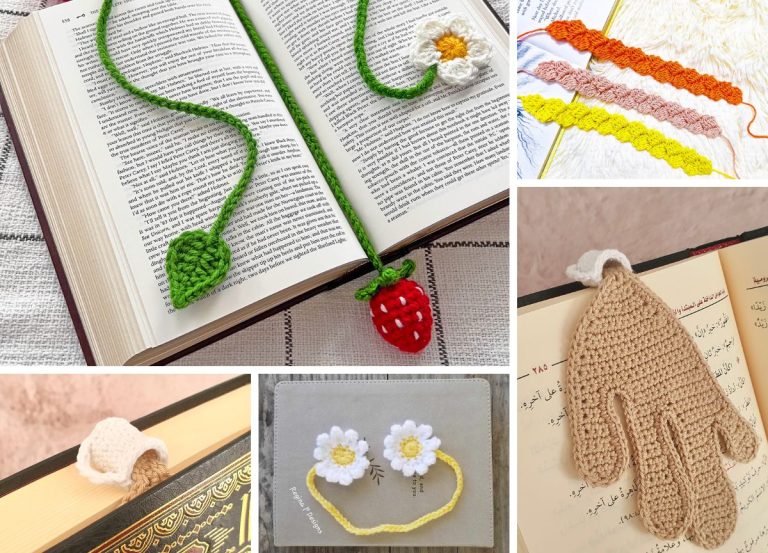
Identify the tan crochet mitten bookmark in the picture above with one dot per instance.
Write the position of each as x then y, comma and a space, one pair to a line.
630, 345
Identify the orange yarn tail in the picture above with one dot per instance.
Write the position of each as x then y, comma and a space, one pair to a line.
749, 126
733, 155
526, 33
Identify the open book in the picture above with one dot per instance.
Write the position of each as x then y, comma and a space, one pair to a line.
536, 141
115, 179
721, 298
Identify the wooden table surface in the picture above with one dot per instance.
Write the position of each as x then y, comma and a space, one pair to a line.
500, 451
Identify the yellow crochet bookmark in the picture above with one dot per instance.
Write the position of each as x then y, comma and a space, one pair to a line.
636, 133
389, 527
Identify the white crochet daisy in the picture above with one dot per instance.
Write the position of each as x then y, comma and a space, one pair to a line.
341, 456
410, 449
454, 45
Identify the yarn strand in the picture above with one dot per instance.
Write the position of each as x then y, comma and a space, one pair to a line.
733, 156
313, 144
391, 528
749, 125
532, 31
370, 79
233, 199
726, 175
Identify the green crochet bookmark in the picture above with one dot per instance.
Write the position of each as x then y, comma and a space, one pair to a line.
197, 261
399, 307
448, 48
370, 79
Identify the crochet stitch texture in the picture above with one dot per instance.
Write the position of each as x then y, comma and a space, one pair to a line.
594, 86
641, 137
388, 276
402, 315
390, 527
584, 39
197, 261
148, 472
629, 345
110, 452
365, 71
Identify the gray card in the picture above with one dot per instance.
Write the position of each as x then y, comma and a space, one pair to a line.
459, 411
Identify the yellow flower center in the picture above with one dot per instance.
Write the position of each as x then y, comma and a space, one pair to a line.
451, 47
410, 447
342, 455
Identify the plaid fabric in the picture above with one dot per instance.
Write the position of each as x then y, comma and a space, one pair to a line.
467, 274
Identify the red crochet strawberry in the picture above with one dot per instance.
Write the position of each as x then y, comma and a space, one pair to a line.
402, 315
399, 308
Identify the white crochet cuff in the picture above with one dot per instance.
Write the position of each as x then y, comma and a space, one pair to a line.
589, 269
109, 452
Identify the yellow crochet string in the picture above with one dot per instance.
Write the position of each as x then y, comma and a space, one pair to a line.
726, 175
636, 133
421, 521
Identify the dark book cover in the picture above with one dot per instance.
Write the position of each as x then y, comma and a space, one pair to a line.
564, 289
203, 509
348, 277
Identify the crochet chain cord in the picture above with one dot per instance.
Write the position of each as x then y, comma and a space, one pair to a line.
370, 79
387, 275
641, 137
583, 39
388, 527
233, 199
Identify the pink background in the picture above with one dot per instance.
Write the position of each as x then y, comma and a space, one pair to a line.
556, 225
41, 415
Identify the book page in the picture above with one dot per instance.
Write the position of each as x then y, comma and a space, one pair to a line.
746, 271
557, 510
161, 172
405, 164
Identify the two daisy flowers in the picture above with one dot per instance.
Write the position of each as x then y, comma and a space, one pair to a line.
342, 455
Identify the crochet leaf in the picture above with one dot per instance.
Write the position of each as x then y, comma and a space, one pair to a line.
189, 276
196, 263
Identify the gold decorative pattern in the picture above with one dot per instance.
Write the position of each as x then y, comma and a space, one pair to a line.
204, 519
195, 547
